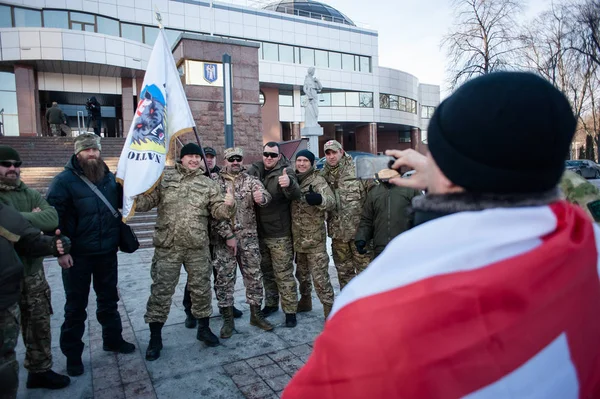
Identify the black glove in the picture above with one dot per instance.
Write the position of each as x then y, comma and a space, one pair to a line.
313, 198
66, 244
360, 246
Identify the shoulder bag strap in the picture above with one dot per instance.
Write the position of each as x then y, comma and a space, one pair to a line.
93, 187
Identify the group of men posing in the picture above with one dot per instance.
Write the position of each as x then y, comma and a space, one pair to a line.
260, 219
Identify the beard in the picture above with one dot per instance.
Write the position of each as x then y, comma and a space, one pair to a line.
93, 169
10, 178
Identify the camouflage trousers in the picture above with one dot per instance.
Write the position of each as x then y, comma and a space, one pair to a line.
277, 265
248, 254
315, 265
348, 262
9, 367
55, 129
36, 308
165, 270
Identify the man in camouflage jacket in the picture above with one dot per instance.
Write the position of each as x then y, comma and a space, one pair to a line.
578, 190
308, 230
185, 199
241, 231
342, 222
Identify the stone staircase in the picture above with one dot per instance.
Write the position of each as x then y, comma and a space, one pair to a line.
45, 157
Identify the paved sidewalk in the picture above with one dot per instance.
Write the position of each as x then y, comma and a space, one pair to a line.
251, 364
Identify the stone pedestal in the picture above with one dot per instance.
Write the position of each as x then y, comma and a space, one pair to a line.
312, 133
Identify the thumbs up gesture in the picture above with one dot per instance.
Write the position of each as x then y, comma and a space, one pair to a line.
313, 198
258, 196
284, 179
229, 200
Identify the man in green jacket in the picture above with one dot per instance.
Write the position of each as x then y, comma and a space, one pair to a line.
275, 232
385, 215
579, 191
35, 304
55, 117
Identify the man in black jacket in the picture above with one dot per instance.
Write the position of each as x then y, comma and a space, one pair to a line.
17, 237
94, 231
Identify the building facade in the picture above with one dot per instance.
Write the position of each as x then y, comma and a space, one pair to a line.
70, 50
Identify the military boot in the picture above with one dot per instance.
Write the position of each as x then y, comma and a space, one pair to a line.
155, 345
257, 319
326, 310
237, 313
228, 323
290, 320
47, 379
190, 320
204, 334
269, 310
305, 304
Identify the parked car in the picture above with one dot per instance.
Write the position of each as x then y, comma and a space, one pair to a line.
584, 167
354, 154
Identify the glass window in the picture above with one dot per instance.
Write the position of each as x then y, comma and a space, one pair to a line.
286, 53
384, 101
150, 34
270, 52
413, 106
296, 55
347, 62
108, 26
365, 64
89, 28
402, 104
366, 100
56, 19
335, 60
5, 17
8, 101
7, 82
321, 59
131, 32
307, 56
352, 99
286, 98
76, 26
393, 102
324, 99
81, 17
11, 125
404, 136
27, 18
338, 99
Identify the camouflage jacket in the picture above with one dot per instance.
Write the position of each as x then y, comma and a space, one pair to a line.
243, 224
185, 200
308, 221
578, 190
350, 195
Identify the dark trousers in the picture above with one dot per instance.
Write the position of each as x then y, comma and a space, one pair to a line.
76, 281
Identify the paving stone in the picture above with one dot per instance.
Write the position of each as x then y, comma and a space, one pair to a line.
300, 350
105, 378
237, 368
213, 383
132, 369
291, 366
259, 361
270, 371
279, 382
110, 393
142, 389
259, 390
281, 355
246, 378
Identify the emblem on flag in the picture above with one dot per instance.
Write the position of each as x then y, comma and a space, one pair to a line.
210, 72
148, 132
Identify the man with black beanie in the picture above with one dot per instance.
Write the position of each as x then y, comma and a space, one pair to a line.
495, 293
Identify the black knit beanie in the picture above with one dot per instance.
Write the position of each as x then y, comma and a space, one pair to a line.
190, 149
306, 154
505, 132
8, 154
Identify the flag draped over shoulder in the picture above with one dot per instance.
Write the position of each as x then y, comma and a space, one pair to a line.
502, 303
162, 114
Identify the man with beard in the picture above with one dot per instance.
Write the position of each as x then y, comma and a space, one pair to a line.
185, 198
275, 232
238, 243
35, 305
94, 230
308, 229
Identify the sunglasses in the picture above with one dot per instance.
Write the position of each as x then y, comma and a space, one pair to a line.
8, 164
270, 155
234, 159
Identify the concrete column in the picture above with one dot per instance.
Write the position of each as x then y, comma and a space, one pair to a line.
127, 101
296, 131
28, 107
366, 138
415, 138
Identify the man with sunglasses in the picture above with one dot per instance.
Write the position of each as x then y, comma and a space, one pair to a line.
35, 305
238, 243
275, 231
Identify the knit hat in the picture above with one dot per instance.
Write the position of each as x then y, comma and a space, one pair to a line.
8, 154
332, 145
230, 152
306, 154
505, 132
210, 151
86, 141
190, 149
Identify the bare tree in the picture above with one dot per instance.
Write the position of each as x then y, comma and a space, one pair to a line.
586, 39
483, 38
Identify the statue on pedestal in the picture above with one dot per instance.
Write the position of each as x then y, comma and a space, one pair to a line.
312, 87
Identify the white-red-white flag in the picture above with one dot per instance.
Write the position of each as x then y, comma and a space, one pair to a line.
502, 303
